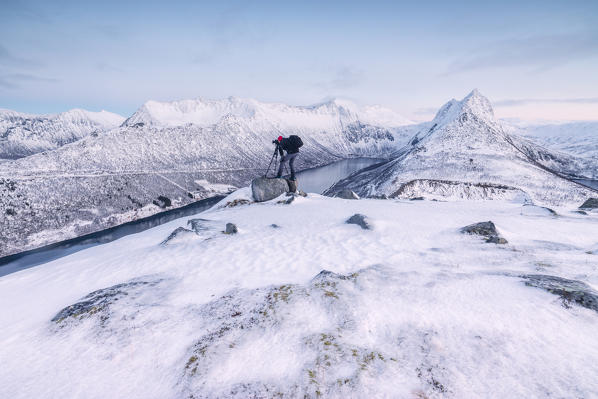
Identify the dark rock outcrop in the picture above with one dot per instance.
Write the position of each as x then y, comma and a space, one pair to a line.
264, 189
231, 228
163, 202
99, 302
571, 291
360, 220
590, 203
347, 194
177, 234
485, 229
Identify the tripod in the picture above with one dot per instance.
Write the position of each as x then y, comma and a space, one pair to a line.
273, 159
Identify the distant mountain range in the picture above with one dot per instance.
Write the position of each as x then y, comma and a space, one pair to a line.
466, 153
22, 135
575, 138
182, 151
79, 172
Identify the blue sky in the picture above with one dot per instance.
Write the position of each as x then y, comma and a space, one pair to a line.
534, 59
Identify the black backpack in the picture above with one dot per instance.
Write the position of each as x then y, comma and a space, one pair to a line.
295, 142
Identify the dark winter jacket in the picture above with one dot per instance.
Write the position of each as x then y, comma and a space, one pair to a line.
288, 146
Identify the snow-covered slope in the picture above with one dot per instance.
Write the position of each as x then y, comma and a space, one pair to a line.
465, 153
176, 150
22, 135
411, 309
324, 116
574, 138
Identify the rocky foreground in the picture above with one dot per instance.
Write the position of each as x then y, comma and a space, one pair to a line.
315, 297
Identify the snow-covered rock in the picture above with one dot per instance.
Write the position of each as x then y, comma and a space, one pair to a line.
465, 153
22, 135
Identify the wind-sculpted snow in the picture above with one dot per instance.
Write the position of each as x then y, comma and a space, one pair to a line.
23, 134
465, 153
300, 304
183, 151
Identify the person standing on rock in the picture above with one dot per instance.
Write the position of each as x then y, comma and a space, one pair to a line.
291, 145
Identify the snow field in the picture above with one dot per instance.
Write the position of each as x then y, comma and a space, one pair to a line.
414, 308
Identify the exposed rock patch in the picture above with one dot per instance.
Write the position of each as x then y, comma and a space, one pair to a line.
231, 228
163, 202
178, 235
360, 220
485, 229
590, 203
570, 291
99, 303
347, 194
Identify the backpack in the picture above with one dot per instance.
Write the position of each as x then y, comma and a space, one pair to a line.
295, 142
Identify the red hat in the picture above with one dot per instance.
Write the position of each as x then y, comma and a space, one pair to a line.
279, 138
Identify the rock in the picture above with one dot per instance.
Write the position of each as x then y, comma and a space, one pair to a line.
301, 193
275, 226
347, 194
535, 210
416, 199
231, 229
99, 302
571, 291
292, 185
485, 229
179, 234
497, 240
162, 202
264, 189
360, 220
199, 225
590, 203
580, 212
237, 202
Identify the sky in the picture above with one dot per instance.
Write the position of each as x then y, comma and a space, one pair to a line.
533, 59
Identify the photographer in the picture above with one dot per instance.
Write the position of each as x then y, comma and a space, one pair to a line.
291, 145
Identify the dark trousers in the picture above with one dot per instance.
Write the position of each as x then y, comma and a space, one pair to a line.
290, 158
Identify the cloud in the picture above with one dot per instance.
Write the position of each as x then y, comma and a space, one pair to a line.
538, 52
15, 80
525, 101
9, 59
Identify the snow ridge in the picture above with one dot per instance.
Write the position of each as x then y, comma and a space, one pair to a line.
22, 134
465, 151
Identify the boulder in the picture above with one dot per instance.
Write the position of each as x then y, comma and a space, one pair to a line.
178, 235
360, 220
590, 203
231, 228
571, 291
347, 194
485, 229
264, 189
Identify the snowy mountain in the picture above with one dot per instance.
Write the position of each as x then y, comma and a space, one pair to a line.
465, 153
183, 151
22, 135
575, 138
299, 304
